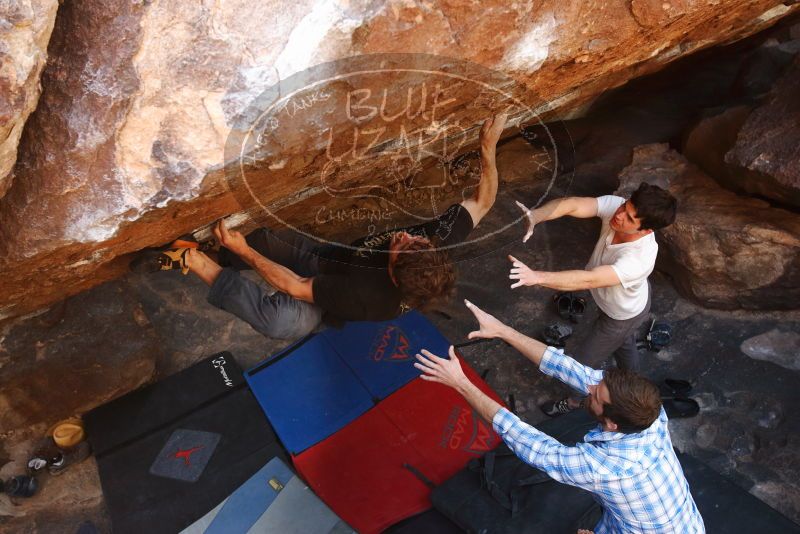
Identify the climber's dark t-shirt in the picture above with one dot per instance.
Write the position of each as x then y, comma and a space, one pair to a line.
354, 284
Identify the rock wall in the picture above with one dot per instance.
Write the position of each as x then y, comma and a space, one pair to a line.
724, 250
25, 27
765, 158
126, 148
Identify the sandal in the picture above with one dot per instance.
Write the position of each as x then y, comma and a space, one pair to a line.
563, 302
577, 309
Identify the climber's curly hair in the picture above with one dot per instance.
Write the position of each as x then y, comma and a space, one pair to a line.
424, 274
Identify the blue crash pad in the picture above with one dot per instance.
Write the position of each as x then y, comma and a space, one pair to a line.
382, 354
320, 384
272, 500
308, 393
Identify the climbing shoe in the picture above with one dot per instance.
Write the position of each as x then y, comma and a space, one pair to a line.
563, 302
152, 260
21, 486
68, 457
556, 408
556, 335
169, 257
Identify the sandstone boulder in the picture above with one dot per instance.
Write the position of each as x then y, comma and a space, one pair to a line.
127, 146
724, 250
766, 155
79, 354
25, 28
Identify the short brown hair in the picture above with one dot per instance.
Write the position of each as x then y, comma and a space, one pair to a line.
424, 274
655, 207
635, 401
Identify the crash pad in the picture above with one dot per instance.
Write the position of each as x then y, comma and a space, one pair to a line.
183, 459
274, 500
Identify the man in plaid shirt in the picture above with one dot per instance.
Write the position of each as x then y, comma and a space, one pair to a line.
627, 462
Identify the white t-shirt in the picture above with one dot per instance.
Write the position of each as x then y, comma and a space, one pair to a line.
633, 262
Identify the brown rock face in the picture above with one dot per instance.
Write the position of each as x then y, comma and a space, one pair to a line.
724, 250
25, 28
766, 156
79, 354
127, 147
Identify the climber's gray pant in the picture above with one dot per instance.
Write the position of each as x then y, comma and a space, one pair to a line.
276, 315
611, 336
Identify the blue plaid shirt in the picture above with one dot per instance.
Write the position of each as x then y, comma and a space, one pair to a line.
636, 477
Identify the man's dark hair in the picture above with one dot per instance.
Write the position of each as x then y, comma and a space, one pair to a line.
635, 401
424, 275
655, 207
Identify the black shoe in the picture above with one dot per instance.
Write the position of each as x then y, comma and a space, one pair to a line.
563, 304
556, 408
577, 309
556, 335
21, 486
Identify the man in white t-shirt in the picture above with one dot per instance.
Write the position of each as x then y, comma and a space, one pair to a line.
616, 274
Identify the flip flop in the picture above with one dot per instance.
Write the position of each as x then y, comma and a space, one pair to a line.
576, 309
563, 302
680, 407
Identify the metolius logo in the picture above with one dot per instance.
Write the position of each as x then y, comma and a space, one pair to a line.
219, 363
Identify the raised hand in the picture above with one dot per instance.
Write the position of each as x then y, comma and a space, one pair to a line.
492, 129
230, 239
523, 274
488, 326
531, 222
446, 371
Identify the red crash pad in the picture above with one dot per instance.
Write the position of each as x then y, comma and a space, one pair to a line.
362, 472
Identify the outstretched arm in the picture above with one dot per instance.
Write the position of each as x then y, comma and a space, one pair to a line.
448, 371
483, 200
602, 276
277, 275
580, 207
491, 327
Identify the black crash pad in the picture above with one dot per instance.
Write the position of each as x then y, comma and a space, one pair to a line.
169, 452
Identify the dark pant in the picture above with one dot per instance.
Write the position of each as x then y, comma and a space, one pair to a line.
278, 315
611, 336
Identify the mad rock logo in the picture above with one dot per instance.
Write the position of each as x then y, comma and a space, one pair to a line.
390, 345
466, 431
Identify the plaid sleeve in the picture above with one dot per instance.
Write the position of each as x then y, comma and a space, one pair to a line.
564, 464
558, 365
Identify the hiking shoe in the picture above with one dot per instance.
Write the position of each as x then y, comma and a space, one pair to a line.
556, 408
153, 260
